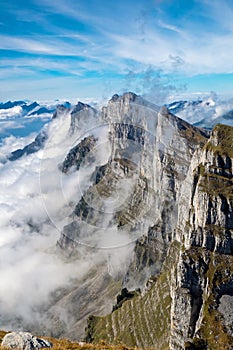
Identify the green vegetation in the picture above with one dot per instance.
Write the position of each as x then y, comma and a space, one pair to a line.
215, 184
224, 136
142, 321
193, 135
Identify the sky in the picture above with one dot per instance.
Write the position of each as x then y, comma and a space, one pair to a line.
56, 49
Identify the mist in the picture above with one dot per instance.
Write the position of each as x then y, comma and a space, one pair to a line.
36, 203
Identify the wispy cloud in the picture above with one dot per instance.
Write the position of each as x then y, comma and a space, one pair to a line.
39, 45
170, 27
105, 39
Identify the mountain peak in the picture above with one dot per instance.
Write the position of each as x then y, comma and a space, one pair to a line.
125, 97
81, 106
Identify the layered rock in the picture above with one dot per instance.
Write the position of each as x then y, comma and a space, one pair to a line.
78, 153
204, 274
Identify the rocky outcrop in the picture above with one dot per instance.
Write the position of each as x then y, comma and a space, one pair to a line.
150, 155
78, 153
150, 152
82, 116
205, 223
24, 341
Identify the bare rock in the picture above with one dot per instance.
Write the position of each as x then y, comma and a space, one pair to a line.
24, 341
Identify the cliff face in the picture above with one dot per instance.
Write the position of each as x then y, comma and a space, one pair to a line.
204, 275
186, 243
191, 305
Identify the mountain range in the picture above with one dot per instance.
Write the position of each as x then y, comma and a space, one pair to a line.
151, 219
13, 109
206, 112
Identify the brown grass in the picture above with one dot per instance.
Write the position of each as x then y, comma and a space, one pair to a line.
65, 344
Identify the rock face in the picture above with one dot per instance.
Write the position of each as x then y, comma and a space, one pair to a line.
78, 153
180, 211
24, 341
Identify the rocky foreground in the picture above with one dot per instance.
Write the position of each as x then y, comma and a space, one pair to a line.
64, 344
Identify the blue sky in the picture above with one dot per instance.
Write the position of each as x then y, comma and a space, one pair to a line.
82, 49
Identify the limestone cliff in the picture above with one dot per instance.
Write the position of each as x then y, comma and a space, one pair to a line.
187, 243
204, 274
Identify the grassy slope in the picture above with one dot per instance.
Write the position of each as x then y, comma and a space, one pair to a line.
224, 135
143, 321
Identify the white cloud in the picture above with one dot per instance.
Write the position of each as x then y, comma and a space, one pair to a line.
38, 45
29, 272
170, 27
209, 110
36, 201
10, 112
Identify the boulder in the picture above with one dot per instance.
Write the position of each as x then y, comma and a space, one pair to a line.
24, 341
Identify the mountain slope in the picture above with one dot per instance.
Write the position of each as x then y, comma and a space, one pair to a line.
198, 285
150, 154
151, 211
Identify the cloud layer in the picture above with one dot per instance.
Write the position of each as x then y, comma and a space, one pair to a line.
36, 202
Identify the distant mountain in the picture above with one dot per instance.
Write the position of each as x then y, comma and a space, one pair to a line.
42, 136
33, 147
226, 118
16, 109
178, 106
11, 104
205, 113
30, 108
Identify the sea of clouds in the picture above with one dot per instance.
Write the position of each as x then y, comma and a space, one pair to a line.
30, 268
36, 201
